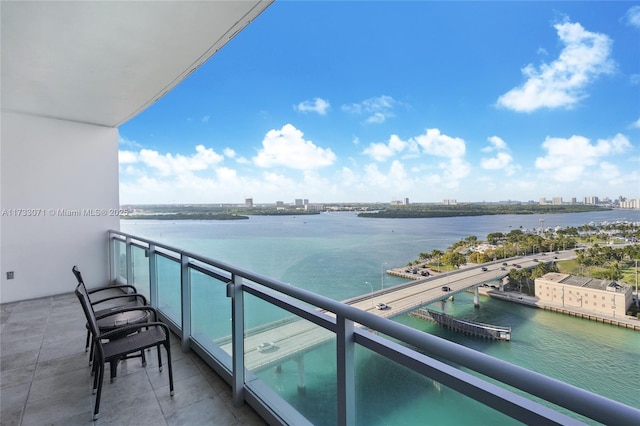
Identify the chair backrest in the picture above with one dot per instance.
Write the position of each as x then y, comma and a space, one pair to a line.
77, 273
83, 296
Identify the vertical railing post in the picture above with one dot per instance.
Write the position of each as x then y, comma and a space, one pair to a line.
234, 291
129, 262
153, 276
113, 276
346, 372
185, 287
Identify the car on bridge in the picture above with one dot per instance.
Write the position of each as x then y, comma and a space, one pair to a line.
446, 288
484, 269
382, 306
266, 347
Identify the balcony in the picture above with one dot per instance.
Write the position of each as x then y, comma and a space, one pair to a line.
244, 342
46, 376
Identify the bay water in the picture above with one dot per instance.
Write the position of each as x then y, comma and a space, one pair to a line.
341, 256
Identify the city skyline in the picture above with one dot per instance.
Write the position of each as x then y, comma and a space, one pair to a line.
380, 101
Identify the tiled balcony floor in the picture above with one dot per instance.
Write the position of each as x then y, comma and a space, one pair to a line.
45, 377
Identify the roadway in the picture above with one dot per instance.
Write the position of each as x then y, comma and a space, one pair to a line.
290, 339
407, 297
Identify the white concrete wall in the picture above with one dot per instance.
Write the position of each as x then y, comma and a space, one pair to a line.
48, 166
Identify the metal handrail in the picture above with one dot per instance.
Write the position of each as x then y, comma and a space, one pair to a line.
570, 397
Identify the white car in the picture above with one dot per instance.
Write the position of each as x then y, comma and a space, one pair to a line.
266, 347
382, 306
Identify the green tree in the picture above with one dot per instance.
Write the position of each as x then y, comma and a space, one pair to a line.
478, 258
453, 258
495, 237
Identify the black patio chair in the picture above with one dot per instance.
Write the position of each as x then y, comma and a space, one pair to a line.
130, 339
116, 302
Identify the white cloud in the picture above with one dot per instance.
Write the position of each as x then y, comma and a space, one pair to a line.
381, 151
502, 159
169, 164
377, 109
375, 118
495, 144
316, 105
435, 143
453, 171
569, 160
205, 118
396, 178
633, 16
127, 157
432, 142
287, 147
128, 143
636, 124
231, 153
585, 56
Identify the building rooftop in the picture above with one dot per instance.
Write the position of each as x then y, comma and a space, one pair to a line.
586, 282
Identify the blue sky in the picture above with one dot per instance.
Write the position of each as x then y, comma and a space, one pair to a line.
377, 101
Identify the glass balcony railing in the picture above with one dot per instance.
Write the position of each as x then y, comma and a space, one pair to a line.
300, 358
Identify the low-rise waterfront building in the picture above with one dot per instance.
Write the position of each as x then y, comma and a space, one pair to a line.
603, 297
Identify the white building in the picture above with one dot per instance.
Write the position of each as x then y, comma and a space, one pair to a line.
72, 72
603, 297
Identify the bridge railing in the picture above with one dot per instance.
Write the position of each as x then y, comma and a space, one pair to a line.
287, 351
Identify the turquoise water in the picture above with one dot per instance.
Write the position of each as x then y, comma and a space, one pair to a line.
336, 254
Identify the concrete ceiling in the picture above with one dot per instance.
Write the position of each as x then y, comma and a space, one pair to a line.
103, 62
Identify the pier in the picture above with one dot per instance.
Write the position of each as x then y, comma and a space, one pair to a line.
487, 331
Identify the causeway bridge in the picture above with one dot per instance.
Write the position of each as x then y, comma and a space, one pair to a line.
404, 298
289, 339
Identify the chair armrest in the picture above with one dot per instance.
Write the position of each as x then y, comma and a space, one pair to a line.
109, 287
135, 327
135, 295
129, 309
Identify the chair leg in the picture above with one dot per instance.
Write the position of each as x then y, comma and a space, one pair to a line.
86, 346
144, 359
159, 358
96, 410
166, 346
96, 373
91, 353
113, 364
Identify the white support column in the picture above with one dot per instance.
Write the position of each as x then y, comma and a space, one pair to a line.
153, 276
346, 372
476, 297
234, 291
185, 287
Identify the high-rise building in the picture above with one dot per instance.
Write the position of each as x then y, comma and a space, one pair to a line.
591, 200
